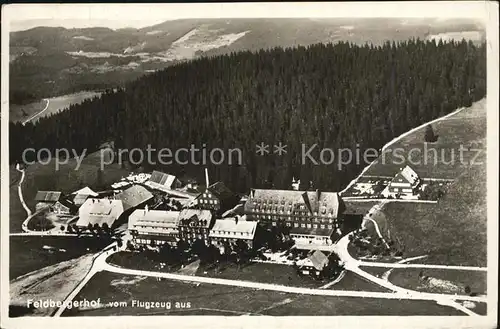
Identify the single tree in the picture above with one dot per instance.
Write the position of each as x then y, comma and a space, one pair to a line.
430, 136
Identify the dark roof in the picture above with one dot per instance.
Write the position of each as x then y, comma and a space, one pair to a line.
312, 231
134, 196
47, 196
80, 199
221, 191
196, 214
284, 201
67, 203
163, 179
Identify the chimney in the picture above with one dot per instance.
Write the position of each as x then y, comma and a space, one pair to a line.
318, 194
146, 209
206, 177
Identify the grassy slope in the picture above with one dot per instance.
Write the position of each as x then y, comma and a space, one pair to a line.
216, 300
467, 128
16, 111
408, 278
27, 254
454, 230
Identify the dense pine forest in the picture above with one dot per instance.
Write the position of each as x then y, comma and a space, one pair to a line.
336, 95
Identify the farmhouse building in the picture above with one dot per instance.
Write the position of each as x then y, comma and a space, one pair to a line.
46, 199
316, 264
194, 224
404, 184
134, 196
217, 197
154, 227
101, 212
227, 232
319, 237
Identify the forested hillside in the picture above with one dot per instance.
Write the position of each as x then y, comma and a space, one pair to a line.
337, 95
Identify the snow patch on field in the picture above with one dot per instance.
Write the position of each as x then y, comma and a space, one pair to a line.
154, 32
124, 281
82, 37
53, 282
199, 40
457, 36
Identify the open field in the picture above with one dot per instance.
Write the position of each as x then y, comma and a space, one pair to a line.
352, 281
56, 104
408, 278
258, 272
332, 306
453, 231
53, 282
27, 254
208, 299
358, 208
441, 159
24, 112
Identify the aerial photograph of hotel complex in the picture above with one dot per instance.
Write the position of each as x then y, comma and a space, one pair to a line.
247, 166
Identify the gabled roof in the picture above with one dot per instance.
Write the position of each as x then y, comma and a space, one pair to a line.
196, 214
264, 200
47, 196
105, 145
153, 221
85, 191
99, 211
80, 199
233, 227
221, 191
67, 203
318, 259
163, 179
134, 196
407, 174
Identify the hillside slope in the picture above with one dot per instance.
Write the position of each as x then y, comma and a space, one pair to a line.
453, 231
49, 61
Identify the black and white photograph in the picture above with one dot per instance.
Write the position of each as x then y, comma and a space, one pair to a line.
237, 165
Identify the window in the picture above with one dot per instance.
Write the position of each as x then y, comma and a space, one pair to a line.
295, 224
308, 225
302, 225
315, 225
322, 226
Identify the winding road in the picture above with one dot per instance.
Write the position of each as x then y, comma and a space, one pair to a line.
37, 114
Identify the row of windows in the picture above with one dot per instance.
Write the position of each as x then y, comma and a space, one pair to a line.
294, 218
308, 225
210, 201
156, 228
148, 241
310, 237
231, 233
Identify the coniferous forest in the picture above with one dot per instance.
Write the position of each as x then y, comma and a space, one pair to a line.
336, 95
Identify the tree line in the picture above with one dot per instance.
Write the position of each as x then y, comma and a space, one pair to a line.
335, 95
